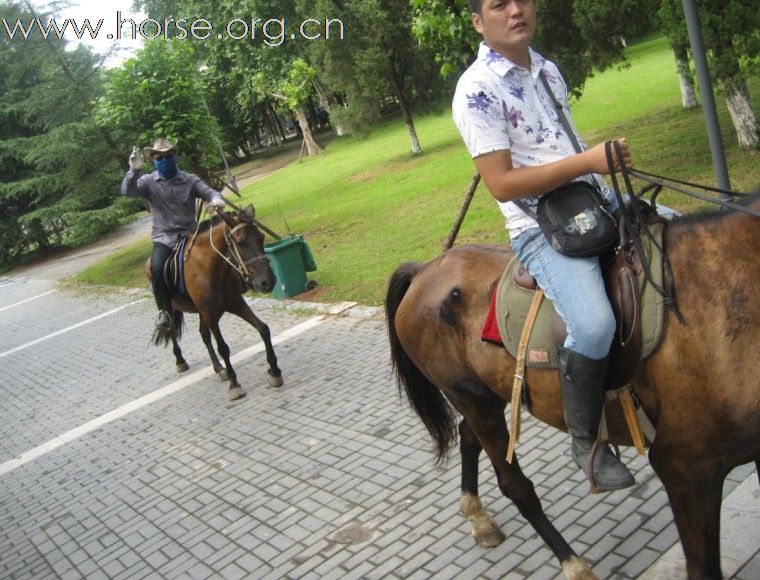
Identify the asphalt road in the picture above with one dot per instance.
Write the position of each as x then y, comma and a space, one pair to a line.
114, 466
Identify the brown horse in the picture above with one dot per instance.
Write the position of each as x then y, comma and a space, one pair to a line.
700, 387
226, 258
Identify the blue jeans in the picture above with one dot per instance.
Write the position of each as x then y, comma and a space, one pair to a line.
576, 288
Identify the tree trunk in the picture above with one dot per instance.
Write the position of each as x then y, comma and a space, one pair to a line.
406, 112
742, 115
326, 100
688, 95
275, 127
312, 148
409, 122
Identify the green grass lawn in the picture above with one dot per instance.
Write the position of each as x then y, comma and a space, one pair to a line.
369, 205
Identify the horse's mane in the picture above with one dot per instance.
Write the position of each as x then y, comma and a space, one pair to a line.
713, 215
207, 224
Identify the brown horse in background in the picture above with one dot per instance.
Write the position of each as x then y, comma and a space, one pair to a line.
226, 258
700, 387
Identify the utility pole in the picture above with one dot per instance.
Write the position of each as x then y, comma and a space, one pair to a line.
708, 99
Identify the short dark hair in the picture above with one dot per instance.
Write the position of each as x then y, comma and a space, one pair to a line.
476, 5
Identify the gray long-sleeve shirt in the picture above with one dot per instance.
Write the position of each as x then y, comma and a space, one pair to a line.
171, 202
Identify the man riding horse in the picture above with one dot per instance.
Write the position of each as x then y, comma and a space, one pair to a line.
508, 121
171, 196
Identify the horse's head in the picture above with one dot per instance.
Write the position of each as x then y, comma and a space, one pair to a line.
246, 239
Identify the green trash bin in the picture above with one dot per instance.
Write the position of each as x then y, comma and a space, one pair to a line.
290, 259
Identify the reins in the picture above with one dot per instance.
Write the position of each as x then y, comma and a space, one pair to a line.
660, 181
636, 225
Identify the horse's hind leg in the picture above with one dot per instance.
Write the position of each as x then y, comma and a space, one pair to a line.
235, 391
486, 533
244, 311
694, 489
206, 337
484, 413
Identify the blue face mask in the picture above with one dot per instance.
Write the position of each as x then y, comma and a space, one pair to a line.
167, 167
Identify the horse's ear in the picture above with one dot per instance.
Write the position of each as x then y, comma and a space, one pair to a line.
250, 212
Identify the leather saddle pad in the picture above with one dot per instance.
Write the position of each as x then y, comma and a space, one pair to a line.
512, 303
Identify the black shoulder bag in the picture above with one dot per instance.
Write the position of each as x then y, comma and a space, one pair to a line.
575, 217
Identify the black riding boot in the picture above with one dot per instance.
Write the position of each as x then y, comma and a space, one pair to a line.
582, 382
163, 300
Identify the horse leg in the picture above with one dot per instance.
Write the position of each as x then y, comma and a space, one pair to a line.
486, 533
235, 391
206, 337
244, 311
694, 489
181, 363
484, 413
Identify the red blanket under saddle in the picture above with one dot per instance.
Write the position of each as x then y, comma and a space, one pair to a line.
490, 332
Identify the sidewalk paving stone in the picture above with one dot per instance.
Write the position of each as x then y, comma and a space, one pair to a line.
194, 486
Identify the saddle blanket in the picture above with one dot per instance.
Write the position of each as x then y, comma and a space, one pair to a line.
509, 309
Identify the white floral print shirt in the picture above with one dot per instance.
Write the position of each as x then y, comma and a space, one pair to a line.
499, 105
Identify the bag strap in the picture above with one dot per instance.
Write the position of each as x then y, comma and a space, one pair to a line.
561, 112
568, 129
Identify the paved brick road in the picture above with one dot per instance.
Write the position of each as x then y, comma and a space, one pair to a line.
330, 476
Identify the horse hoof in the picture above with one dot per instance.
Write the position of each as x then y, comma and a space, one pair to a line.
181, 368
490, 539
223, 376
576, 569
274, 381
236, 393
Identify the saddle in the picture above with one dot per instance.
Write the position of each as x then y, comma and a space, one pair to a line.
639, 309
174, 268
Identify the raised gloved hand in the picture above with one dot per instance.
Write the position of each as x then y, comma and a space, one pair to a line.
217, 203
135, 159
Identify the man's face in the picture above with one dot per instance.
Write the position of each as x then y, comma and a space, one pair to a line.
506, 25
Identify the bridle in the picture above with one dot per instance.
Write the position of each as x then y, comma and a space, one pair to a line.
235, 258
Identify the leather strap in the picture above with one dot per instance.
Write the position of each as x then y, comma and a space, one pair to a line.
561, 113
636, 226
517, 385
623, 394
629, 411
570, 134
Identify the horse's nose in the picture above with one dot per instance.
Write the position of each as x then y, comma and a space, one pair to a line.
267, 285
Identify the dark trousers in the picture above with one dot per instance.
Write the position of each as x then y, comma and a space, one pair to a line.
161, 293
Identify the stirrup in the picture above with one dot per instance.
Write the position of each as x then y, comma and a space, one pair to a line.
613, 462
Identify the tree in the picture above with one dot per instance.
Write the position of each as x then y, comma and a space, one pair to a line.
671, 20
158, 93
59, 183
730, 33
294, 91
378, 63
446, 27
251, 65
579, 36
731, 36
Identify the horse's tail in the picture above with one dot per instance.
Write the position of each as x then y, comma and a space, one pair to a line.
164, 337
424, 397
